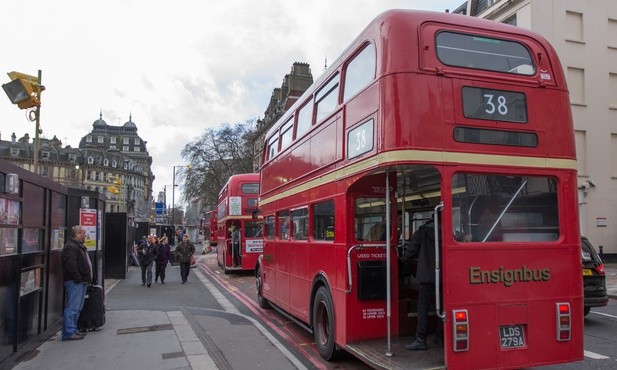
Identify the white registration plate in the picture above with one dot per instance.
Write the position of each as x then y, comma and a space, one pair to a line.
512, 336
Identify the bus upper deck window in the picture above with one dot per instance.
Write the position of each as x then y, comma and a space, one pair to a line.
485, 53
359, 72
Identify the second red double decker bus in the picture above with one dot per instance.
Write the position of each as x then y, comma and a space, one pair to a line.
441, 117
237, 209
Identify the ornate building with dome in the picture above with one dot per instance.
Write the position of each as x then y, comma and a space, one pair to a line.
105, 154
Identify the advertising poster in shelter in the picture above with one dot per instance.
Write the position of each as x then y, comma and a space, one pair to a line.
87, 220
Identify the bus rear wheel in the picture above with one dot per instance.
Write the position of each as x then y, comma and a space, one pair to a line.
323, 325
263, 303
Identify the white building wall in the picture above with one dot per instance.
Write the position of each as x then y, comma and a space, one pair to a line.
584, 33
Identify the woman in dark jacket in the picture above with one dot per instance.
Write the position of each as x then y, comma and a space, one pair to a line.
162, 259
147, 253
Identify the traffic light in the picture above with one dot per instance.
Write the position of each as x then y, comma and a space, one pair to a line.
117, 184
24, 90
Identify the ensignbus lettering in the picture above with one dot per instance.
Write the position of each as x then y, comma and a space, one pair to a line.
508, 277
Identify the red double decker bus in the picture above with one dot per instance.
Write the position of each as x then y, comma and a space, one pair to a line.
237, 207
441, 117
210, 226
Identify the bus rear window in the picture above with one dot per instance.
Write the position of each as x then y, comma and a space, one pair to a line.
496, 208
486, 53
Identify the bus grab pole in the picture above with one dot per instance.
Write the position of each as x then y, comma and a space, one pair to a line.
388, 284
438, 208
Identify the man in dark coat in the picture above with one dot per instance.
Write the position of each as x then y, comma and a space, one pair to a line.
77, 272
422, 246
147, 254
184, 251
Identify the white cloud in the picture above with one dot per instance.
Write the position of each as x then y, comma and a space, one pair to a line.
177, 67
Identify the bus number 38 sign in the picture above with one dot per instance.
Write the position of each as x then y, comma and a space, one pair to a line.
360, 139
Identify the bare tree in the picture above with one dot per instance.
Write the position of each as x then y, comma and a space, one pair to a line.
213, 157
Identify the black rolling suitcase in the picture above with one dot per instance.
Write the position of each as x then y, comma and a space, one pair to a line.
92, 315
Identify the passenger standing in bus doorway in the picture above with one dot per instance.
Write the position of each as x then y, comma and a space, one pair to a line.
147, 254
184, 251
162, 258
422, 246
235, 245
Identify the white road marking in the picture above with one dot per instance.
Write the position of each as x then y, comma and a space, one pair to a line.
229, 307
595, 356
604, 314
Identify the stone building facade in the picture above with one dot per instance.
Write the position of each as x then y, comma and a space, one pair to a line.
294, 85
104, 154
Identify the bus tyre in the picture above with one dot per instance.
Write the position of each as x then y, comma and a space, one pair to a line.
323, 325
263, 303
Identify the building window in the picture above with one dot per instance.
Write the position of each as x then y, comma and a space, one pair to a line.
125, 141
136, 149
112, 140
511, 20
45, 154
101, 139
88, 139
137, 141
114, 163
105, 162
112, 147
90, 160
125, 148
14, 152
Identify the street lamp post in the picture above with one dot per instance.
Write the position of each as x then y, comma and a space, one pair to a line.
173, 196
165, 198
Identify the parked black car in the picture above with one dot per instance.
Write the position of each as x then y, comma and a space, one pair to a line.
594, 277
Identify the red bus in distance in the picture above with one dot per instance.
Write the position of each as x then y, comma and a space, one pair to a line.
237, 206
210, 225
429, 116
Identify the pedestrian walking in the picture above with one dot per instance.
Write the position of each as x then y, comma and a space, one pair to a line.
184, 251
147, 254
162, 258
77, 272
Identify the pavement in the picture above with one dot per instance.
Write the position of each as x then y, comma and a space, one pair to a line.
150, 339
171, 326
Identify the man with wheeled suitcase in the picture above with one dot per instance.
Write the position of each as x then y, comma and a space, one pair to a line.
77, 272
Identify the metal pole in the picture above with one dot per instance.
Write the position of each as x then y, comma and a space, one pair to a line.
173, 194
388, 266
37, 141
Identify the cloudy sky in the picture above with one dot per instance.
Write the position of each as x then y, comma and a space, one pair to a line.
177, 66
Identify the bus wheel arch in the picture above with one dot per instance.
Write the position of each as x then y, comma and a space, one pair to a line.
323, 323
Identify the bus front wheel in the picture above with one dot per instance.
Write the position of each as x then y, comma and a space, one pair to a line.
323, 325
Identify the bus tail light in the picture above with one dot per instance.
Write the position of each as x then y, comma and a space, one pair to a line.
564, 321
460, 330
